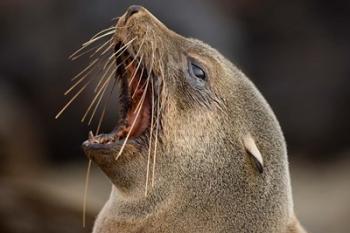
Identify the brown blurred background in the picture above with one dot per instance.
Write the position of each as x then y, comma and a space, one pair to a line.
297, 53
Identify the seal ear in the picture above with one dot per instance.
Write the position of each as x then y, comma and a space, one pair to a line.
253, 151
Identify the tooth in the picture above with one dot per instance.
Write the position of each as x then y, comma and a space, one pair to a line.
91, 135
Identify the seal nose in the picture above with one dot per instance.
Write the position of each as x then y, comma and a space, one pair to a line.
132, 10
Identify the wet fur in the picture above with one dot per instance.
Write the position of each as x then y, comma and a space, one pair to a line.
205, 180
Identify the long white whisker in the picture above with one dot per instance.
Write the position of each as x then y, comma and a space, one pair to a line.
157, 128
137, 53
98, 103
150, 139
73, 56
104, 75
97, 38
149, 75
133, 123
86, 191
138, 83
102, 31
101, 47
95, 98
104, 109
77, 55
77, 82
135, 72
108, 48
122, 49
84, 70
71, 100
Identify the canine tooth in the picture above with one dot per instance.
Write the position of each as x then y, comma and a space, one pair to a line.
91, 135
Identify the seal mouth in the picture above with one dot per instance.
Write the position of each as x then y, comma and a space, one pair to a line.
136, 96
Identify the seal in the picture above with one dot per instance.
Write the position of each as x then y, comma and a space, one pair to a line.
196, 149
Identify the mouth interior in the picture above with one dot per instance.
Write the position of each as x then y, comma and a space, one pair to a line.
135, 100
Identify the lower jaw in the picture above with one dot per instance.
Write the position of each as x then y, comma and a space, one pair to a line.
115, 146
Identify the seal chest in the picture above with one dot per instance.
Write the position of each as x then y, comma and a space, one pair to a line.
197, 148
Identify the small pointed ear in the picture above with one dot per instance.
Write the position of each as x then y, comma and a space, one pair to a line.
253, 151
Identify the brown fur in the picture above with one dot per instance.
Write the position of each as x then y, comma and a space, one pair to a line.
205, 180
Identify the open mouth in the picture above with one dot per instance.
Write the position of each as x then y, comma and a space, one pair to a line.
136, 90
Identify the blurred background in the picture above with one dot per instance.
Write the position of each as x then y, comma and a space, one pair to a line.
296, 52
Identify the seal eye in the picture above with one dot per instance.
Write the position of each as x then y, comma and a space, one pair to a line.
196, 70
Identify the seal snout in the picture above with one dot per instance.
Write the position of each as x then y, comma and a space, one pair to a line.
134, 9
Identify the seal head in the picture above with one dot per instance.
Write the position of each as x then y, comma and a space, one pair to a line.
197, 149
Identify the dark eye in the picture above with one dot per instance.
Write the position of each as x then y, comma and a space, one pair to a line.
197, 71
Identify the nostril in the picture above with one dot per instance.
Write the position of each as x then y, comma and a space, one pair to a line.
132, 10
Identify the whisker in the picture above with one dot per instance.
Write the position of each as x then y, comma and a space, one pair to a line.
139, 103
138, 83
73, 56
101, 47
108, 48
127, 26
135, 72
133, 123
138, 108
150, 140
104, 75
71, 100
137, 53
124, 47
76, 56
123, 62
104, 109
100, 120
120, 51
155, 145
86, 191
84, 70
102, 31
98, 103
77, 82
97, 38
95, 98
110, 65
157, 128
76, 52
148, 77
115, 59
